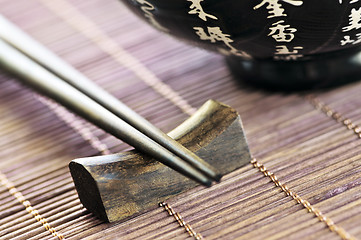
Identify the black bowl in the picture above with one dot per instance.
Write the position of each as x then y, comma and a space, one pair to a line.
293, 44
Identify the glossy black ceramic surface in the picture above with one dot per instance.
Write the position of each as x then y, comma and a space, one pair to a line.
263, 33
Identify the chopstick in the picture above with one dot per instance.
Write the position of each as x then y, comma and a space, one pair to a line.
41, 69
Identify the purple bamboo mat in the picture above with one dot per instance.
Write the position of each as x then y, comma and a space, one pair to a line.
164, 80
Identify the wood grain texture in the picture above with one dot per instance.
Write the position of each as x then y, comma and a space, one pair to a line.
118, 186
310, 152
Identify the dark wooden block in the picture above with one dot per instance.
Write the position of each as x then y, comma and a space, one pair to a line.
118, 186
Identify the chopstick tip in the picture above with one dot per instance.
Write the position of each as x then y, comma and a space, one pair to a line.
218, 178
208, 183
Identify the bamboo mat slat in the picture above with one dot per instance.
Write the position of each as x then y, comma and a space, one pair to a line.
315, 156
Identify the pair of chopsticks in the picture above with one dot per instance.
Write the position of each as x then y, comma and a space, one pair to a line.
42, 70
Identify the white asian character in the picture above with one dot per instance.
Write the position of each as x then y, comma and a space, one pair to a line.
215, 34
347, 40
235, 52
351, 2
196, 8
282, 33
147, 8
275, 7
283, 53
358, 35
355, 20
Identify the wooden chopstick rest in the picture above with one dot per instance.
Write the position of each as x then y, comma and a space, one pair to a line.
118, 186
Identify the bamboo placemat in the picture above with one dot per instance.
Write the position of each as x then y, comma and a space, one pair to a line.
311, 151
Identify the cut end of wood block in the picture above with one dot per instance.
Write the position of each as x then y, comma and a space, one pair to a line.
87, 189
